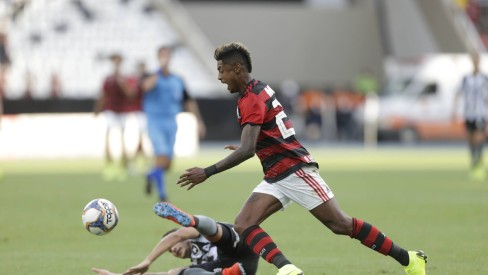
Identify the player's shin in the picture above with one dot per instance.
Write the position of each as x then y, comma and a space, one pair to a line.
159, 177
371, 237
261, 243
205, 225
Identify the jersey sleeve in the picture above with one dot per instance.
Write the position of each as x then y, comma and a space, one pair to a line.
186, 95
253, 110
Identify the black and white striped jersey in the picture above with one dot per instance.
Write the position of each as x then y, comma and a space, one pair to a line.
474, 89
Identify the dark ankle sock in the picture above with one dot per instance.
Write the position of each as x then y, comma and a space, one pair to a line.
280, 261
371, 237
261, 244
399, 254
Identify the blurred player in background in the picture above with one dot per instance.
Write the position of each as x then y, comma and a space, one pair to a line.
4, 61
132, 107
111, 103
474, 90
213, 247
164, 97
4, 66
291, 174
1, 114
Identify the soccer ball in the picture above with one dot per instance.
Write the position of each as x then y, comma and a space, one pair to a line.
100, 216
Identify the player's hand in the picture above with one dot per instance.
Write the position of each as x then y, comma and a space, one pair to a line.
138, 269
192, 177
100, 271
231, 147
149, 82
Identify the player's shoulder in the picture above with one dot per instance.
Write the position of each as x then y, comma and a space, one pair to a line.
256, 87
177, 77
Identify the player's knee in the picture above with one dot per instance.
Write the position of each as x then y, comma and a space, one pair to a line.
340, 227
243, 222
240, 227
163, 162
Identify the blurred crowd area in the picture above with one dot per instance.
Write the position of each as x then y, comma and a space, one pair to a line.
61, 48
318, 113
477, 11
329, 113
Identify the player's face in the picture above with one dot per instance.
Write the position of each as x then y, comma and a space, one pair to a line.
117, 61
181, 250
227, 76
164, 55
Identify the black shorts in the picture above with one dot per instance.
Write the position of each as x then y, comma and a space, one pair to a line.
475, 125
250, 265
235, 250
231, 250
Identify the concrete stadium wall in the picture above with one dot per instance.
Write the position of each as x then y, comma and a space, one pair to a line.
76, 135
313, 46
407, 30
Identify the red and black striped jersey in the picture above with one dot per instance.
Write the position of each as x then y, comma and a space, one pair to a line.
280, 153
116, 100
113, 95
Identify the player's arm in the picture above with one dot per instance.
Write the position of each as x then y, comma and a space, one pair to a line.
97, 108
249, 137
100, 271
149, 82
163, 246
190, 105
1, 109
159, 273
128, 89
455, 102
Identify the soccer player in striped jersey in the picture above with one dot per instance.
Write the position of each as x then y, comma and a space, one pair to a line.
115, 91
474, 90
290, 172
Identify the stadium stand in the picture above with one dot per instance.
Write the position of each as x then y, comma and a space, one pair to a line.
72, 39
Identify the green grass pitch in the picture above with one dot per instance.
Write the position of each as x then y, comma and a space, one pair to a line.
421, 197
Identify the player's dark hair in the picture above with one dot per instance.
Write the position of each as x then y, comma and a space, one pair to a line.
115, 56
164, 48
234, 52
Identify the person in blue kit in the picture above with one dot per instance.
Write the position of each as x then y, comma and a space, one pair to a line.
164, 97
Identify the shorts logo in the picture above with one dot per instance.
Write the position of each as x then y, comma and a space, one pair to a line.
236, 236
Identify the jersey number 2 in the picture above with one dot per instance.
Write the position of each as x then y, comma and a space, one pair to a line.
285, 132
